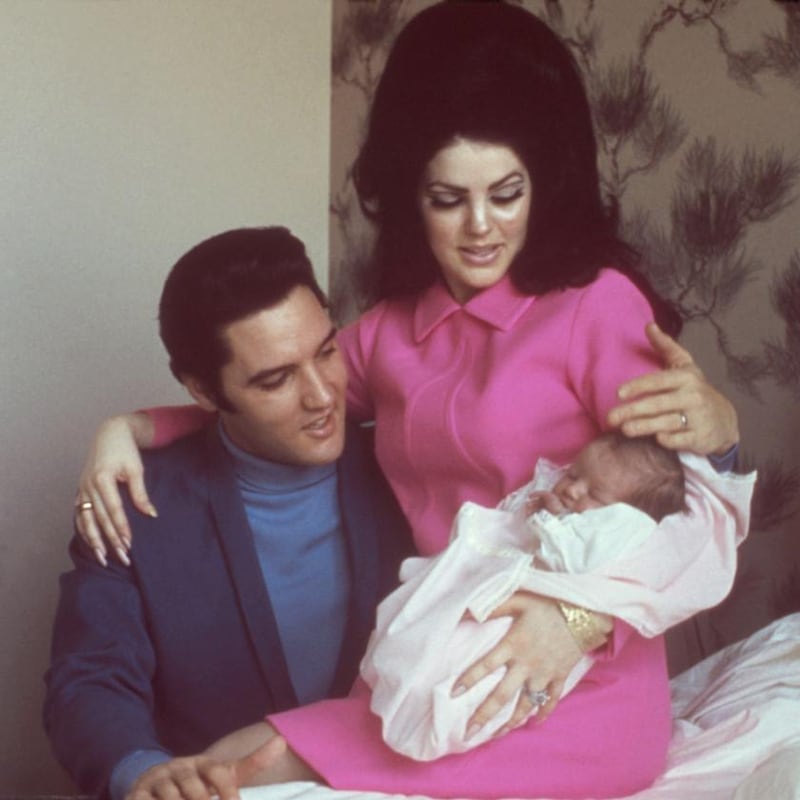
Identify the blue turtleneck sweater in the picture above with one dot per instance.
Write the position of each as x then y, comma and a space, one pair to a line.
294, 515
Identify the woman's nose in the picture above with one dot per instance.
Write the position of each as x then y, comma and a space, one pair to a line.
478, 222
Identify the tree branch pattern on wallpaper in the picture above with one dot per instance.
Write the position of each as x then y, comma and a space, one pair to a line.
723, 191
700, 261
361, 43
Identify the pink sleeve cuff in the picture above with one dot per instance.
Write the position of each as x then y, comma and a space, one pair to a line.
174, 422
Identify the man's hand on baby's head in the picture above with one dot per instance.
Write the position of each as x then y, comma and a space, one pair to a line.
547, 501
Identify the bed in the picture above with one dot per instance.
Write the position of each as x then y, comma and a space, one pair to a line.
736, 729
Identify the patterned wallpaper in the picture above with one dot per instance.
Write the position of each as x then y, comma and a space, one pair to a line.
697, 113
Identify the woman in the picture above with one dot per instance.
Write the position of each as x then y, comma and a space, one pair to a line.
508, 320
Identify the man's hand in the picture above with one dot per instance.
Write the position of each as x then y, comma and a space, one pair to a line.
192, 778
677, 404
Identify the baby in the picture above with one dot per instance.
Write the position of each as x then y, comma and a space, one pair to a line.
566, 520
614, 469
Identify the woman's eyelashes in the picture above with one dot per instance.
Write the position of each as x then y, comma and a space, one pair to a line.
444, 201
503, 197
508, 195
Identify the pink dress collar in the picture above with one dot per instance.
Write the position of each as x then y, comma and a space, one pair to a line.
500, 306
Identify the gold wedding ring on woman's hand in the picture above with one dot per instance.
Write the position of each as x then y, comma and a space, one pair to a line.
85, 505
683, 419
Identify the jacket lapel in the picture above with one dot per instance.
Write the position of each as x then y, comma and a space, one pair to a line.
361, 527
236, 539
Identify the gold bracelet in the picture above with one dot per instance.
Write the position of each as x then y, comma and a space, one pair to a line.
581, 624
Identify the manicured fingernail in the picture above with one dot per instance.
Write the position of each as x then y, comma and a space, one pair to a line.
123, 556
473, 729
100, 556
152, 512
458, 690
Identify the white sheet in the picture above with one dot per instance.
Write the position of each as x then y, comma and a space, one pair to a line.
736, 734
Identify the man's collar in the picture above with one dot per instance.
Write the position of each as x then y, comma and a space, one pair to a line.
262, 475
500, 306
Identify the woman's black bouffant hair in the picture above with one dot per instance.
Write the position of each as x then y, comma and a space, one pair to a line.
492, 72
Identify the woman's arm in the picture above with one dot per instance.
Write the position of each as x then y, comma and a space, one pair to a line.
677, 404
536, 619
113, 459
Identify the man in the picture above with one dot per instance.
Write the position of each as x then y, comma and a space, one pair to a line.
254, 590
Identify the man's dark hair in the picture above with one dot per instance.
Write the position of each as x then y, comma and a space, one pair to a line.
220, 281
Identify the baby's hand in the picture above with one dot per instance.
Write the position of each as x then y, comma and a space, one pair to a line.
537, 501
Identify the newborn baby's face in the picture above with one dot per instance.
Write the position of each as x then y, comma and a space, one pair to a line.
597, 478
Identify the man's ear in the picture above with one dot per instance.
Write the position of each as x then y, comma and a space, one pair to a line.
201, 395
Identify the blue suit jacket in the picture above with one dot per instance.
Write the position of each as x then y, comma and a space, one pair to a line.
183, 647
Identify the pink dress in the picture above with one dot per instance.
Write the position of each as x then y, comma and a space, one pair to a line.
465, 398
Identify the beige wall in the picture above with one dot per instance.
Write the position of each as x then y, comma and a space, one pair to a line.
128, 132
